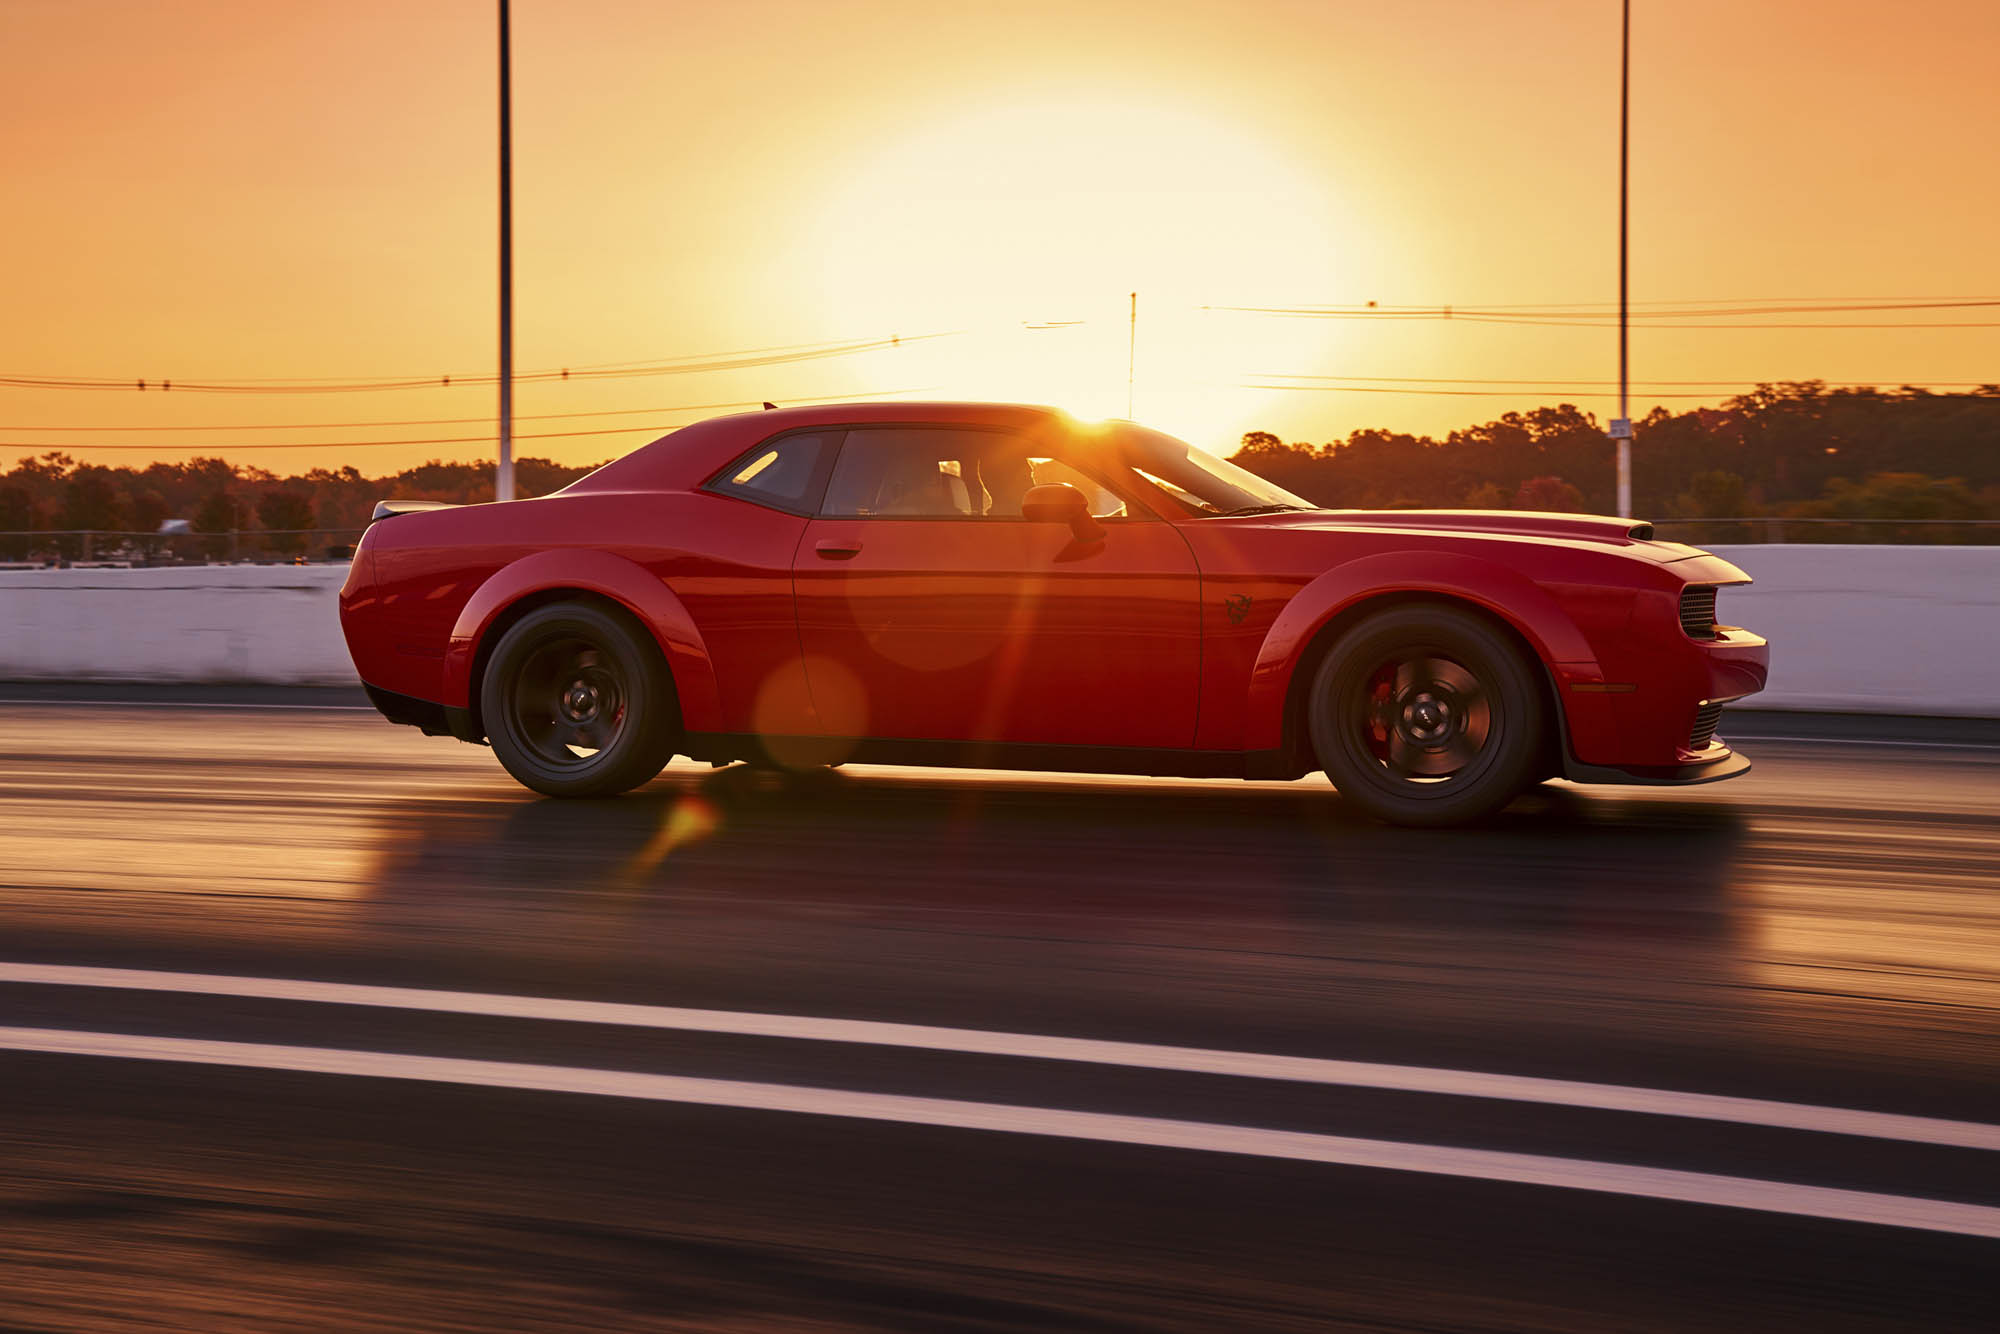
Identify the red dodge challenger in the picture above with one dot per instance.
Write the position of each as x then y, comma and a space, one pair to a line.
1003, 586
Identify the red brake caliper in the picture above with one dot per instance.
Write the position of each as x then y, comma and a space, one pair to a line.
1381, 695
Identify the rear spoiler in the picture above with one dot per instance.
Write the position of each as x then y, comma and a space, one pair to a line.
389, 509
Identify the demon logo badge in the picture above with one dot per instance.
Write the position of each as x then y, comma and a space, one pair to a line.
1238, 606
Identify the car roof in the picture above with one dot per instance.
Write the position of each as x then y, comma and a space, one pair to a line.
941, 411
689, 456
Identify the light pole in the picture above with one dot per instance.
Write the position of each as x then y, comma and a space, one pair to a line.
1621, 428
1131, 356
503, 477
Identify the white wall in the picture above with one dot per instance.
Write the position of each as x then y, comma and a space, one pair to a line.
259, 623
1873, 629
1861, 629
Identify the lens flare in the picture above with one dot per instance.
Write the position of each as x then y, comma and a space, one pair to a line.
686, 820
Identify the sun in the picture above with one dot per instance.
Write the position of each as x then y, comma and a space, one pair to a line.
1029, 225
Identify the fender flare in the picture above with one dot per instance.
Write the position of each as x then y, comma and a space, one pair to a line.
1501, 591
623, 581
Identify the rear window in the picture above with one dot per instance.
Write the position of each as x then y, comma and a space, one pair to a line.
787, 473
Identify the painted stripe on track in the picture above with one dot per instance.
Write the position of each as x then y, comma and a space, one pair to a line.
1824, 1202
1857, 741
966, 1041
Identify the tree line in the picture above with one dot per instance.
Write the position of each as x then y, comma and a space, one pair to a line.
252, 509
1781, 451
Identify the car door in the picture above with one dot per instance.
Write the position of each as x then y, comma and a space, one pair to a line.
929, 608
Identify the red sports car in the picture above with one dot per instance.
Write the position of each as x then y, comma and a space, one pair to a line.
1003, 586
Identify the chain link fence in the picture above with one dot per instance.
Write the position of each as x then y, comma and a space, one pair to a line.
1866, 532
99, 546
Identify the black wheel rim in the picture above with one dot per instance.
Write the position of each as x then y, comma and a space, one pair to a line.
1422, 717
569, 702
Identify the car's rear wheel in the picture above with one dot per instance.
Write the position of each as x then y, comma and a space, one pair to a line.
578, 702
1427, 715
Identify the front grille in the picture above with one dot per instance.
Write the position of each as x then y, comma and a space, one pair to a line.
1698, 611
1704, 726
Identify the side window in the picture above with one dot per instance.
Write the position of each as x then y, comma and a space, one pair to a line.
911, 472
784, 473
944, 473
1104, 504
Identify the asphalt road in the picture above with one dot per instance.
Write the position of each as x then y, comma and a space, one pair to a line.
204, 1142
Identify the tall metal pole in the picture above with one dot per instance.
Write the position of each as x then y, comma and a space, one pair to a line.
503, 478
1622, 428
1131, 356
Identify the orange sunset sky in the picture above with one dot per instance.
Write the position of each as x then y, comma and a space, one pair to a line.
288, 191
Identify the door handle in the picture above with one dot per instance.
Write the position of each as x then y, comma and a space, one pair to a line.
837, 548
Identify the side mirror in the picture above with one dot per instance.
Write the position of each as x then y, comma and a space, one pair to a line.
1059, 502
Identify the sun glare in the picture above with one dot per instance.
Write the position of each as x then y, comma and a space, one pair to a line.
1028, 225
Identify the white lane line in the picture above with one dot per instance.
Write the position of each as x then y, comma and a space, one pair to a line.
221, 706
968, 1041
1856, 741
1853, 1206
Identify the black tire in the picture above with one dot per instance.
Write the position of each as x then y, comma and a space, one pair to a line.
578, 702
1427, 715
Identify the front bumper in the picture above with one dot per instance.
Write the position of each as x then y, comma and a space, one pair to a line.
1651, 717
1726, 763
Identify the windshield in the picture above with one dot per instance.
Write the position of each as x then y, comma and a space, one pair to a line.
1203, 483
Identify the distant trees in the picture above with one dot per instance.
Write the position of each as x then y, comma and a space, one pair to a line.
282, 513
219, 512
53, 491
1375, 469
1781, 451
1549, 494
17, 514
147, 508
1714, 494
91, 500
1899, 495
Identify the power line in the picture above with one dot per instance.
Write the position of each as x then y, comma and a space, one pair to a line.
1452, 393
579, 368
342, 381
1452, 316
1677, 316
1609, 322
345, 444
1610, 307
1514, 392
453, 440
623, 370
1559, 384
453, 421
1555, 315
1715, 310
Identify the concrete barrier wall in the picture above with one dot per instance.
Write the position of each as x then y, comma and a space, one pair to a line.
1852, 629
1860, 629
276, 624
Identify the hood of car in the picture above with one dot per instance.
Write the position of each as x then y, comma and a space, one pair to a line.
1523, 523
1632, 536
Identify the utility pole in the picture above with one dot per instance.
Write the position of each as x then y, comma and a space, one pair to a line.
1131, 356
1621, 429
503, 478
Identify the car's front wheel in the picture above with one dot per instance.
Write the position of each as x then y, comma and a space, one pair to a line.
578, 702
1427, 715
